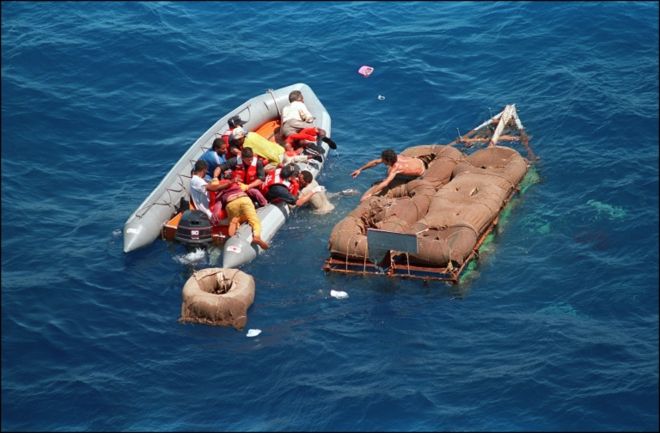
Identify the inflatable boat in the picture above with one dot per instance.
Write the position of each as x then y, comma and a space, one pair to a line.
432, 226
161, 212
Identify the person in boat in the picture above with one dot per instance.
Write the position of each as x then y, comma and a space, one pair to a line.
306, 141
200, 189
313, 193
292, 155
240, 209
403, 168
214, 157
296, 117
248, 171
280, 185
262, 147
232, 123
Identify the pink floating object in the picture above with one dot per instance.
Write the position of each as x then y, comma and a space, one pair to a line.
365, 71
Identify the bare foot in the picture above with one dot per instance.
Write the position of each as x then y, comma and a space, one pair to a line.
260, 242
233, 226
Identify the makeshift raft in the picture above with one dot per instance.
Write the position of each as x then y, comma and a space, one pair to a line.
432, 227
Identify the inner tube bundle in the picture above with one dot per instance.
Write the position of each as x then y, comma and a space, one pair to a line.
217, 296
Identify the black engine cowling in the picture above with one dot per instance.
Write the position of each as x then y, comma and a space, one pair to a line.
194, 229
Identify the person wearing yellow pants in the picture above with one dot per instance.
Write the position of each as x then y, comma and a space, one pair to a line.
240, 208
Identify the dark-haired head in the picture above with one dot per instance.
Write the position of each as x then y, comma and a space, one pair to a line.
388, 156
200, 165
287, 171
247, 153
306, 176
218, 143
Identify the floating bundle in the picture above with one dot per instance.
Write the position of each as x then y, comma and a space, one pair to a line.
218, 296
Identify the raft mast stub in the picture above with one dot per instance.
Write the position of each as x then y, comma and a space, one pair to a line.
432, 227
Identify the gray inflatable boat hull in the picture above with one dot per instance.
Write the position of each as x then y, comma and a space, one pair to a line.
144, 225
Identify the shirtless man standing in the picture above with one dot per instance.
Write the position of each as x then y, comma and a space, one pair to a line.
406, 167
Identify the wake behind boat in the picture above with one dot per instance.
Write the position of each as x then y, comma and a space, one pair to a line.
161, 212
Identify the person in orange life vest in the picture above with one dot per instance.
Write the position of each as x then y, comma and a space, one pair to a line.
281, 185
304, 142
233, 122
248, 171
292, 155
200, 191
239, 209
294, 189
310, 137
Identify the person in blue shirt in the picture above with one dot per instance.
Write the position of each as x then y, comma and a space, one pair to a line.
214, 157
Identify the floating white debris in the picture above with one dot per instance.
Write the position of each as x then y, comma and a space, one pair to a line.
381, 98
338, 294
253, 333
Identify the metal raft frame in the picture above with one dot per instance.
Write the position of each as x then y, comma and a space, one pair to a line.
396, 263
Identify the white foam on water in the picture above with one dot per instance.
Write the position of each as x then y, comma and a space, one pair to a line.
192, 257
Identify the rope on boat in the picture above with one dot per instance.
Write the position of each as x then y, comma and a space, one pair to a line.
275, 102
168, 190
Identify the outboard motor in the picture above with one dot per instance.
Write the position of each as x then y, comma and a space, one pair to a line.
194, 229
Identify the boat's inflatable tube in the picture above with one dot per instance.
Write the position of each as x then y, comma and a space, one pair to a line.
217, 296
239, 250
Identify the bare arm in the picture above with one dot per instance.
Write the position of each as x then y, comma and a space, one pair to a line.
215, 186
304, 198
255, 183
378, 187
372, 163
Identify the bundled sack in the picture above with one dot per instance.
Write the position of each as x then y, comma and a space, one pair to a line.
217, 296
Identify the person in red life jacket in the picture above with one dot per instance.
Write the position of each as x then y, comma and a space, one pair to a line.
294, 155
234, 147
201, 190
281, 185
239, 209
248, 171
305, 142
311, 136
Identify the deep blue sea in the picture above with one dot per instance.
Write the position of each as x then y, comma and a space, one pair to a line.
556, 330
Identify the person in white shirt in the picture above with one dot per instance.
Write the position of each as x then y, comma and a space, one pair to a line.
199, 192
313, 193
296, 118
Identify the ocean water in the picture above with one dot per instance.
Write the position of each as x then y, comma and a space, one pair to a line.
556, 329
